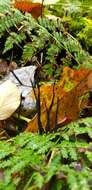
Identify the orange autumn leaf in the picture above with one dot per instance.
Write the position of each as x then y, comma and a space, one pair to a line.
69, 103
27, 6
66, 112
74, 76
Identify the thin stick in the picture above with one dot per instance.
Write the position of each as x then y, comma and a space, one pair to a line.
42, 8
48, 113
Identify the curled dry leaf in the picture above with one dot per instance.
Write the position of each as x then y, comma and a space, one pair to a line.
9, 99
3, 67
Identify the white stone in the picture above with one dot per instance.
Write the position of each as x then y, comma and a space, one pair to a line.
9, 99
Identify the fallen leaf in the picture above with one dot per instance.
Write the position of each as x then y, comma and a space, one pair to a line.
69, 101
27, 6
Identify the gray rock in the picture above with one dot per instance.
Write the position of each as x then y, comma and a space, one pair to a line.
23, 78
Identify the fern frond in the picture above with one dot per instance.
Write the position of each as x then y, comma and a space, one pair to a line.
43, 38
13, 39
44, 157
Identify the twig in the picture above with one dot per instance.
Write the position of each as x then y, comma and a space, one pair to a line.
47, 128
42, 8
38, 106
56, 115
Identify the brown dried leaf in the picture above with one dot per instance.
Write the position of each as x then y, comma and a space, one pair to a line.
69, 105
